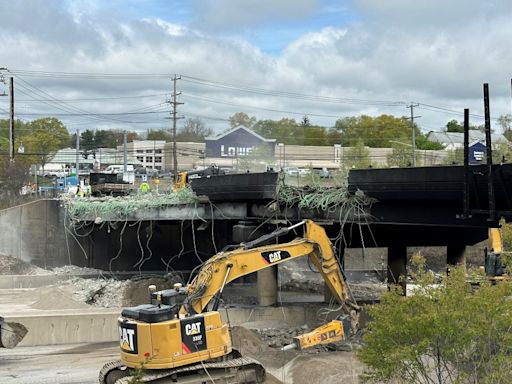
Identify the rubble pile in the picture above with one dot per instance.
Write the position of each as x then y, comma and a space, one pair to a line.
10, 265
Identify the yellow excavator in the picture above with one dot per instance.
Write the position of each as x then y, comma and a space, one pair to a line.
494, 267
184, 177
179, 339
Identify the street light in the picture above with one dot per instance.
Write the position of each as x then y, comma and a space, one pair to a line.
282, 162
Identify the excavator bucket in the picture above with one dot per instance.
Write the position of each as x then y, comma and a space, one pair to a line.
11, 333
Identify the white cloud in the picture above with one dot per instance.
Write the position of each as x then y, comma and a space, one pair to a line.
406, 51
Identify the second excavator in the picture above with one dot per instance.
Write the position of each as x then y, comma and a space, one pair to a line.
180, 337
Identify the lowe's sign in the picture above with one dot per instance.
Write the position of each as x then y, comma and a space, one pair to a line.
237, 142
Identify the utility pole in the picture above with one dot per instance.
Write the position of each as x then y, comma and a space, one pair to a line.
411, 107
11, 119
77, 155
174, 104
125, 153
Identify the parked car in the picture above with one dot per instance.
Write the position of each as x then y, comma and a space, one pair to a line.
292, 171
304, 172
322, 172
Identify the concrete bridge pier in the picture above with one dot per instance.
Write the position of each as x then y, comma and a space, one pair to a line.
266, 278
397, 266
456, 255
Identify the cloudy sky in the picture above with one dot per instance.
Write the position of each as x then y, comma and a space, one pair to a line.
100, 64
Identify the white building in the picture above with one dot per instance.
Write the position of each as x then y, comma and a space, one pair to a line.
150, 153
454, 140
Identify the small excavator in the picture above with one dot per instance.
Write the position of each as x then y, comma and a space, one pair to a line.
180, 337
184, 177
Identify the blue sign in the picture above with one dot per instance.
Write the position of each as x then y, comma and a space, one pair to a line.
237, 142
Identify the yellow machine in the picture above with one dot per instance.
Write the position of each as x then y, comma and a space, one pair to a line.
178, 339
184, 177
331, 332
494, 267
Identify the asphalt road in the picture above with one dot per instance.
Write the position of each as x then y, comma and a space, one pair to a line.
58, 364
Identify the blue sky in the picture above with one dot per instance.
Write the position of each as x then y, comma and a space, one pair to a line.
271, 33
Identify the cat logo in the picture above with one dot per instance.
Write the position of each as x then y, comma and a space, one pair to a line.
193, 328
274, 256
128, 338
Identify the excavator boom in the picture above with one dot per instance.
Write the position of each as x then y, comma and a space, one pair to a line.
228, 266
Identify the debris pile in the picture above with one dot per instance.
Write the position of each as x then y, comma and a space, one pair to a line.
113, 293
10, 265
54, 298
118, 208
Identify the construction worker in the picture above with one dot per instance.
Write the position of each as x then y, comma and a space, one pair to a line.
79, 191
88, 190
144, 187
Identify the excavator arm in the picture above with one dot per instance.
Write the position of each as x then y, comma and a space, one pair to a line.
225, 267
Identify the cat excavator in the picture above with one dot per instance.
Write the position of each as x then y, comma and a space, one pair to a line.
180, 337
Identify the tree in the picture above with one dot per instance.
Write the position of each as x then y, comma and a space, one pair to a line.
113, 138
160, 134
505, 122
444, 333
284, 131
376, 132
422, 142
305, 121
357, 156
47, 136
194, 130
315, 135
242, 119
87, 143
454, 126
401, 156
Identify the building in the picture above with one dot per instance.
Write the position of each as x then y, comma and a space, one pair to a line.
454, 140
237, 143
64, 161
150, 153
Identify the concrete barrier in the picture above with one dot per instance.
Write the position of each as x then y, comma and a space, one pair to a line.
66, 328
101, 326
30, 281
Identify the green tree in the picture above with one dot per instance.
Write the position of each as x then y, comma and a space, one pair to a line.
160, 134
505, 122
193, 130
112, 138
422, 142
357, 156
284, 131
47, 136
376, 132
444, 333
454, 126
87, 143
401, 156
242, 119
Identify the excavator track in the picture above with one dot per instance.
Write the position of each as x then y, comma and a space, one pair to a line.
235, 370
